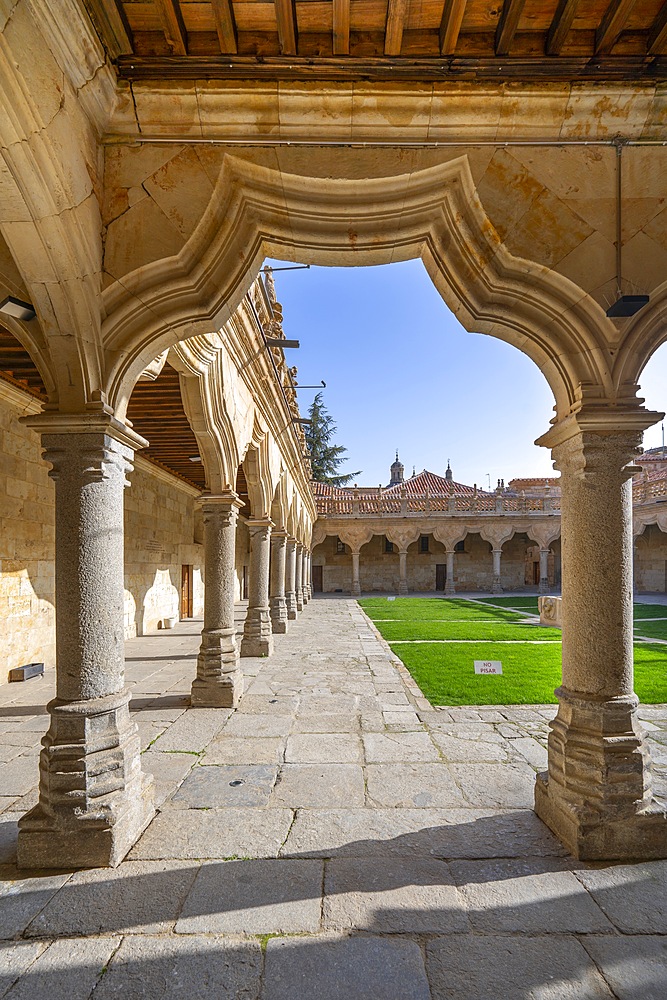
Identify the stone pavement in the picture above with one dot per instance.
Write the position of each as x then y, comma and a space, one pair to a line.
335, 838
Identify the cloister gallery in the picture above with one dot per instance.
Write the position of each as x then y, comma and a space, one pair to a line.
153, 156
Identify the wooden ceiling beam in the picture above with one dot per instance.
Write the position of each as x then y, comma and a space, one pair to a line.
111, 24
288, 35
225, 25
507, 25
393, 37
612, 25
657, 39
341, 27
450, 25
173, 26
560, 26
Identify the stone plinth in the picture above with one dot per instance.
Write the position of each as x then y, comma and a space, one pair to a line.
551, 611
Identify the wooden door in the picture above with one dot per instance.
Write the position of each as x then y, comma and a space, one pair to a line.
440, 576
186, 592
244, 584
317, 579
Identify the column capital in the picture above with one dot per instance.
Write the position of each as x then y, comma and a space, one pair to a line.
93, 422
280, 533
257, 524
211, 502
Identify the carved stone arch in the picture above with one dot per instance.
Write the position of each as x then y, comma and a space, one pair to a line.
497, 535
403, 535
355, 536
30, 337
450, 535
279, 505
434, 213
642, 520
644, 334
319, 534
543, 535
201, 382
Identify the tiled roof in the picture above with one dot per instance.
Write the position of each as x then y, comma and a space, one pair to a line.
428, 482
527, 483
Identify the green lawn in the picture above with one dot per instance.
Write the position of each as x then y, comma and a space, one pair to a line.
524, 603
651, 629
531, 672
650, 611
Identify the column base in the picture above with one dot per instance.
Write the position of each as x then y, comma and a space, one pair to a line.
639, 836
94, 799
257, 638
219, 682
299, 601
544, 587
290, 600
496, 587
402, 587
278, 614
222, 692
256, 647
356, 591
450, 589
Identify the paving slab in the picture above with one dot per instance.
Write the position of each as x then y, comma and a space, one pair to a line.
503, 785
138, 896
634, 966
23, 896
254, 897
363, 968
193, 731
15, 958
634, 896
313, 786
409, 785
182, 968
488, 967
226, 785
241, 750
383, 748
533, 896
214, 833
251, 726
324, 748
8, 836
19, 775
403, 895
326, 722
458, 750
67, 970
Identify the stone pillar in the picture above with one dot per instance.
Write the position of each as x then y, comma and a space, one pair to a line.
449, 582
298, 577
290, 579
304, 576
356, 585
497, 587
94, 800
544, 571
402, 571
597, 793
219, 682
257, 636
277, 601
307, 580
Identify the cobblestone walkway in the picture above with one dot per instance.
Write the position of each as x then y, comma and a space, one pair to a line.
335, 838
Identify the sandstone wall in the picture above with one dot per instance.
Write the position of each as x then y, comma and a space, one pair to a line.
163, 533
27, 536
651, 560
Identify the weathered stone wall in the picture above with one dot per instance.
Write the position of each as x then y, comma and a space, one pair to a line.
651, 560
159, 541
162, 534
27, 535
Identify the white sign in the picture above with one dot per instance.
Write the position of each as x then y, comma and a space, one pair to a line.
391, 598
488, 667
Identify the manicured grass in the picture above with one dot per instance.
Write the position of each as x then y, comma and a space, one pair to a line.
525, 603
651, 629
432, 609
650, 611
446, 674
487, 631
531, 672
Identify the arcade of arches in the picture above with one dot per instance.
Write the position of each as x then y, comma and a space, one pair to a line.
143, 181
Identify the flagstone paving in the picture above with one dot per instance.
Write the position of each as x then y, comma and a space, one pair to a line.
334, 838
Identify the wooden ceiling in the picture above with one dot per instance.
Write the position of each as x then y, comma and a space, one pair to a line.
384, 39
18, 368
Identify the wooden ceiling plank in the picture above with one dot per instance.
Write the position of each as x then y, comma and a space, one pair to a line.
111, 24
450, 25
393, 38
341, 27
657, 39
225, 25
612, 25
288, 36
507, 25
173, 26
560, 26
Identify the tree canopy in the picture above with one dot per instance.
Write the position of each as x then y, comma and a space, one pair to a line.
325, 456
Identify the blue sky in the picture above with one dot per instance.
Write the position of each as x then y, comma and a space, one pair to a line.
402, 373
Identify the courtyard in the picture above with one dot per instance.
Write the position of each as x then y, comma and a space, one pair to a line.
335, 836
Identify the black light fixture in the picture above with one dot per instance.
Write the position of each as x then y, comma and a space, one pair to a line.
322, 385
17, 308
279, 342
625, 305
301, 420
196, 459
